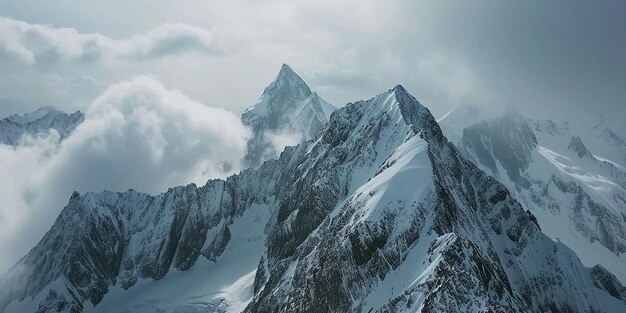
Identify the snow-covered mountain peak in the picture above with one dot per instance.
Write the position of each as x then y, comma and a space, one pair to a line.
283, 93
286, 113
396, 101
33, 116
288, 78
412, 110
287, 73
393, 111
510, 135
399, 89
42, 120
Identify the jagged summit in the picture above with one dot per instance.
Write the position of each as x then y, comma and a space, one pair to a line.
576, 145
287, 109
395, 98
35, 115
286, 71
42, 120
511, 136
282, 93
289, 75
399, 89
412, 109
398, 104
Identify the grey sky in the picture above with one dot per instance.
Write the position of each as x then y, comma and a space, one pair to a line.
528, 54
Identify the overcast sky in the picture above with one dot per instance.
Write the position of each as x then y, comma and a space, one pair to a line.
153, 75
526, 54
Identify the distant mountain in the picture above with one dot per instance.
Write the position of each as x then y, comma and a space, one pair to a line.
381, 213
40, 121
577, 193
287, 112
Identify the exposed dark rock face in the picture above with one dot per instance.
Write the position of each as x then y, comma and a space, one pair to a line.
577, 145
607, 281
64, 299
460, 290
510, 139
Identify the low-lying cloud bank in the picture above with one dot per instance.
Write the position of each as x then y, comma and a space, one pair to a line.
43, 44
137, 134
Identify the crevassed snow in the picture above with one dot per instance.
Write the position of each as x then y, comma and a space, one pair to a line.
593, 182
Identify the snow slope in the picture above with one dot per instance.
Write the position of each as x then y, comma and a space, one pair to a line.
578, 198
287, 113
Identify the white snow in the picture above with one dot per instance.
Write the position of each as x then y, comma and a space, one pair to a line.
604, 187
415, 270
601, 178
609, 161
206, 287
407, 180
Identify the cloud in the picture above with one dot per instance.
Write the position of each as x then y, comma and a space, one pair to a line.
570, 56
279, 140
137, 134
170, 39
339, 78
356, 53
21, 169
44, 44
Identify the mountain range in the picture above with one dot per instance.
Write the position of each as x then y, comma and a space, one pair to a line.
374, 210
14, 127
578, 195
